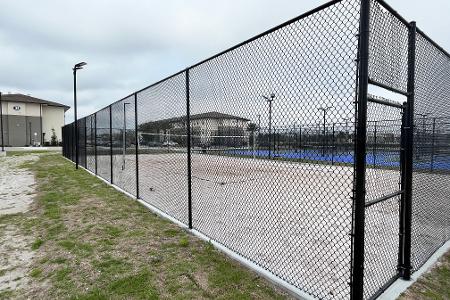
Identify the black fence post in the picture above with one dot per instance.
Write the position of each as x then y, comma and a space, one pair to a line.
62, 138
405, 269
359, 194
85, 142
95, 143
189, 170
136, 136
111, 143
74, 142
68, 136
403, 146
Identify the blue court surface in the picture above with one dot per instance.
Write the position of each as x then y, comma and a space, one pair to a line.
379, 159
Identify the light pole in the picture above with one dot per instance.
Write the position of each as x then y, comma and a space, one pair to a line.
347, 132
270, 100
325, 110
124, 135
259, 132
75, 68
259, 122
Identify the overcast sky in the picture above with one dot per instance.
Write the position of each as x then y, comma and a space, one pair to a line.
130, 44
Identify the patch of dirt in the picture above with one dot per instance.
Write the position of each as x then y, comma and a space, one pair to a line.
16, 195
15, 257
16, 184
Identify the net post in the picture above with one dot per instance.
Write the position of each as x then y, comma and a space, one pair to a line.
189, 169
136, 136
111, 143
359, 192
405, 271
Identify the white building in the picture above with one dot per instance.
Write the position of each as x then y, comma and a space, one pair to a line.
29, 121
207, 128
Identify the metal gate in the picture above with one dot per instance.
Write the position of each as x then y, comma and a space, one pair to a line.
385, 194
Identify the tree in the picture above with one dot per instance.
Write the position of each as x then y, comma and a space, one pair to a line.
252, 127
54, 138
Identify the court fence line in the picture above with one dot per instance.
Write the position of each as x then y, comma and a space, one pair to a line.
275, 149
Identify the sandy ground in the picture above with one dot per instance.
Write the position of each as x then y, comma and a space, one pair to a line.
292, 219
16, 195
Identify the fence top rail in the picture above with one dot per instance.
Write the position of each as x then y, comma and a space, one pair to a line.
394, 12
425, 36
404, 21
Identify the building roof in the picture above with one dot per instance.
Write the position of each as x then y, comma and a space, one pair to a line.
216, 115
28, 99
207, 115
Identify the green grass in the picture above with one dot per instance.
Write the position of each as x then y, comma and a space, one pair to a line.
37, 244
99, 244
23, 153
35, 273
434, 285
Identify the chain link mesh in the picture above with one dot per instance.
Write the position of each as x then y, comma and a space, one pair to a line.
90, 143
388, 60
292, 218
82, 142
383, 185
272, 135
124, 144
431, 177
163, 146
384, 124
388, 67
103, 144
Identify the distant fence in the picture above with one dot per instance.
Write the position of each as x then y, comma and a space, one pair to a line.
275, 149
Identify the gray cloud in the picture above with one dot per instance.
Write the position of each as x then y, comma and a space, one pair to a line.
130, 44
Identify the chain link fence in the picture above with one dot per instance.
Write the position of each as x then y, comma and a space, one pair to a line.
431, 177
276, 150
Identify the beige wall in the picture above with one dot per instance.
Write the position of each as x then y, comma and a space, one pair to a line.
52, 117
22, 109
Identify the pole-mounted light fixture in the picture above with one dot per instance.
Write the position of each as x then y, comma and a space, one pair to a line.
75, 68
269, 100
325, 110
